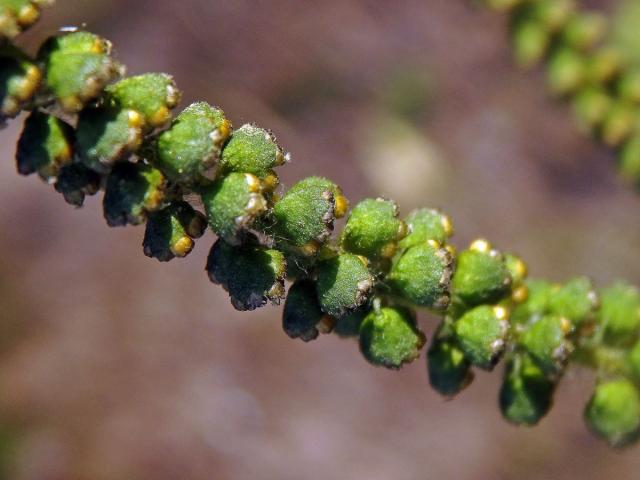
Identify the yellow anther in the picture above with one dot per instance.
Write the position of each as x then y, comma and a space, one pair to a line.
565, 325
364, 260
270, 182
253, 183
326, 324
182, 247
71, 103
480, 245
224, 129
520, 268
451, 249
447, 225
433, 243
28, 15
389, 250
520, 294
134, 119
341, 205
309, 249
98, 46
501, 313
403, 229
160, 117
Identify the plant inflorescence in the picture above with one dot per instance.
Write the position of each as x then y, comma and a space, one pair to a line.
595, 77
91, 128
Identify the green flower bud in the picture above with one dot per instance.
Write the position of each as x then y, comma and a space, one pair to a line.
566, 71
426, 224
629, 161
373, 229
422, 275
553, 14
18, 15
78, 66
576, 301
251, 274
390, 338
349, 325
584, 31
481, 275
302, 317
526, 395
191, 147
448, 367
613, 413
232, 204
304, 216
170, 232
153, 95
591, 106
619, 314
19, 81
618, 124
133, 190
481, 334
251, 150
546, 341
537, 303
628, 86
75, 181
634, 361
531, 41
604, 65
107, 135
44, 146
344, 284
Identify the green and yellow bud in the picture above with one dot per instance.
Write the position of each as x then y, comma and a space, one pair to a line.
344, 284
251, 150
576, 301
170, 232
447, 365
426, 224
302, 316
253, 275
45, 146
526, 395
373, 229
78, 66
481, 275
188, 151
133, 190
566, 71
107, 135
613, 413
481, 334
422, 275
20, 78
18, 15
389, 337
547, 342
233, 203
303, 218
152, 95
619, 314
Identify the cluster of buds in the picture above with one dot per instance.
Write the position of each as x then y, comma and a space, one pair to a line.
92, 129
600, 83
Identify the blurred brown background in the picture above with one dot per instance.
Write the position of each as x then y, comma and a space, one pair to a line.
117, 367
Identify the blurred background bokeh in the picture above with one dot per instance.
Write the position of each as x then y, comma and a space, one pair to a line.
113, 366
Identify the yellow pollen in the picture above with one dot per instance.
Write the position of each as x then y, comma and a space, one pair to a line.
341, 206
253, 183
447, 225
160, 117
480, 245
28, 15
182, 247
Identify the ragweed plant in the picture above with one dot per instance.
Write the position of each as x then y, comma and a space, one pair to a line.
596, 77
90, 128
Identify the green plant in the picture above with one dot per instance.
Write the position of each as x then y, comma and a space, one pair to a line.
90, 129
598, 77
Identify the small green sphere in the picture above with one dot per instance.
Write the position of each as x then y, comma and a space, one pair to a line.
613, 413
390, 338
